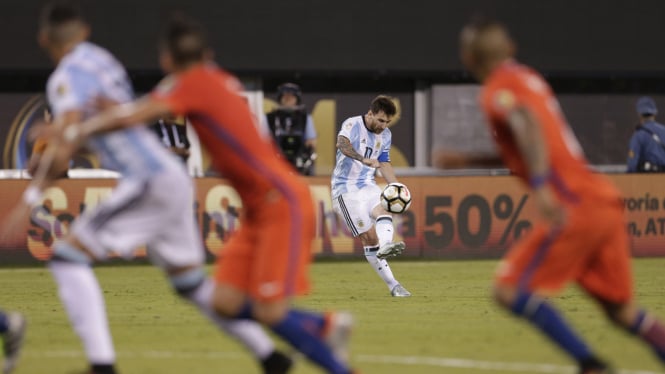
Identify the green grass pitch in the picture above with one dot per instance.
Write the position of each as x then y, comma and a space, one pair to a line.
448, 326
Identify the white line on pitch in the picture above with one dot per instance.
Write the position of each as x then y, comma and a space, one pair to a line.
449, 362
479, 365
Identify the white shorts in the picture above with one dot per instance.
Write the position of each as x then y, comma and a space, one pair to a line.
156, 212
356, 208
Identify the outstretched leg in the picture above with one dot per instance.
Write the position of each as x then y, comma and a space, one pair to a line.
638, 322
543, 316
84, 304
193, 285
322, 338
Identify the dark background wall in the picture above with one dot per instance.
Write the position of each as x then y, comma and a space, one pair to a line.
369, 39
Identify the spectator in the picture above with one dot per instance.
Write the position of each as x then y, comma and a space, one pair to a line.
647, 151
173, 135
293, 128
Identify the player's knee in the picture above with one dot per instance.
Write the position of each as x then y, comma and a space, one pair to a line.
271, 313
186, 282
64, 251
231, 303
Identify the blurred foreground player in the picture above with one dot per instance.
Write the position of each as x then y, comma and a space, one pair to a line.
266, 261
152, 197
582, 236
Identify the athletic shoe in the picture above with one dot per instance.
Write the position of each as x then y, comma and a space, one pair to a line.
390, 249
338, 333
599, 371
399, 291
13, 340
594, 365
277, 363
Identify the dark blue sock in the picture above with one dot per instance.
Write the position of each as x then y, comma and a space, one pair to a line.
4, 324
245, 312
548, 320
295, 330
312, 322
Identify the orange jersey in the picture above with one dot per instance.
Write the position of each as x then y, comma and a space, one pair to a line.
513, 85
269, 256
211, 98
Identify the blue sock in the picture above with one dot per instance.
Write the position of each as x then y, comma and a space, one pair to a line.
548, 320
4, 324
295, 330
312, 322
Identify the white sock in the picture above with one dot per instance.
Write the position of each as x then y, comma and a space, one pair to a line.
247, 332
381, 267
384, 229
82, 297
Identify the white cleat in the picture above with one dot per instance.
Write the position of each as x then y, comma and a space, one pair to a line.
390, 249
399, 291
338, 335
13, 340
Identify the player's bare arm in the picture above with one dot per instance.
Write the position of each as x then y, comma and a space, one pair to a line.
531, 144
56, 156
387, 171
344, 146
115, 117
136, 113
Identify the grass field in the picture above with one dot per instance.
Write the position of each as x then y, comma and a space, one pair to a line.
448, 326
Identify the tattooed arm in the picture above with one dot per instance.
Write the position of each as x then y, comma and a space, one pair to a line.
344, 146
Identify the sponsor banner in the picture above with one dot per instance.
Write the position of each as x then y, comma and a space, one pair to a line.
450, 217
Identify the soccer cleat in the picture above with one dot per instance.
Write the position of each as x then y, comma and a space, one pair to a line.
277, 363
593, 365
598, 371
13, 340
390, 249
399, 291
338, 333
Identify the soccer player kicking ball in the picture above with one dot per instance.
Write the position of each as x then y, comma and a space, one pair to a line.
582, 235
363, 145
265, 263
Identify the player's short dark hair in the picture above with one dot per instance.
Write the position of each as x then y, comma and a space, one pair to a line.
59, 12
385, 104
185, 40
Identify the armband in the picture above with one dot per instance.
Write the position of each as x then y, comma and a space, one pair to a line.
32, 195
538, 181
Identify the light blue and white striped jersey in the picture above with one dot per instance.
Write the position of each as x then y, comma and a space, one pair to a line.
351, 175
89, 72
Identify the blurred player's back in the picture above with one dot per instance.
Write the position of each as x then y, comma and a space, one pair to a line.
89, 73
250, 161
570, 173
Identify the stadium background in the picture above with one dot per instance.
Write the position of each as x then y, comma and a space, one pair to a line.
599, 57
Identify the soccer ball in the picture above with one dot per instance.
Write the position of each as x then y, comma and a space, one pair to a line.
396, 198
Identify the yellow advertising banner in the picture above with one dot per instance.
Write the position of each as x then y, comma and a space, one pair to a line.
450, 217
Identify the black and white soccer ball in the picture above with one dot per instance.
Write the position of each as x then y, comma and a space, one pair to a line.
396, 198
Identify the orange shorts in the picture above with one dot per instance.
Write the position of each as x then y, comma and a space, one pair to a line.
269, 256
592, 249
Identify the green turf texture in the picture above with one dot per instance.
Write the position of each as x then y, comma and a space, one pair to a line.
449, 316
